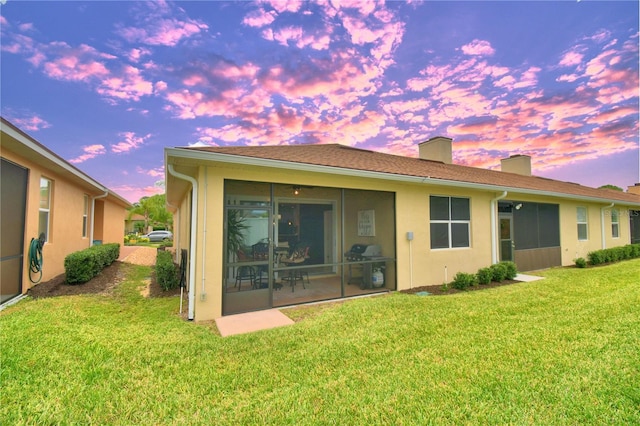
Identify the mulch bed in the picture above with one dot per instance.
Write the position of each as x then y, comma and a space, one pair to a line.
439, 290
103, 283
114, 274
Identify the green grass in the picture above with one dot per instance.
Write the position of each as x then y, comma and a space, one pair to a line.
565, 350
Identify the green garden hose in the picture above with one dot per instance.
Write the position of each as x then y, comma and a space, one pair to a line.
35, 258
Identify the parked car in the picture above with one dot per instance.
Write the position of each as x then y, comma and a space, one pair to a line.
155, 236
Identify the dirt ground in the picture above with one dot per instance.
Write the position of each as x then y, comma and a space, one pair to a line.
108, 279
112, 275
439, 290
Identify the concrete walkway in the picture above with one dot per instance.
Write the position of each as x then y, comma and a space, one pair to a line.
527, 278
251, 321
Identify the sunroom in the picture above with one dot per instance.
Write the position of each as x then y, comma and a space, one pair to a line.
288, 244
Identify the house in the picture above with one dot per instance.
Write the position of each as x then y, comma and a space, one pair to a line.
269, 226
44, 195
134, 224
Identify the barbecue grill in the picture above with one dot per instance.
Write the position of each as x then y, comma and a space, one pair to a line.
362, 273
362, 252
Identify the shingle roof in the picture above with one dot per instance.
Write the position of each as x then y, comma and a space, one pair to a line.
345, 157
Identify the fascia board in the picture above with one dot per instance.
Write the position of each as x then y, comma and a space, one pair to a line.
280, 164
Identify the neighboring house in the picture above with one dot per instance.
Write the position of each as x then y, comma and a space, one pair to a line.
268, 226
134, 223
43, 194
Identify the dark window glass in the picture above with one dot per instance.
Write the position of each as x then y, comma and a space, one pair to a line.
459, 235
460, 209
439, 235
439, 208
549, 225
525, 222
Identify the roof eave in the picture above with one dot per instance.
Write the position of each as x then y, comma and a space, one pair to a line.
264, 162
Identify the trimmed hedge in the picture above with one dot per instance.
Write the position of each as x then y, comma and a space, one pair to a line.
81, 266
462, 280
497, 272
484, 275
167, 272
614, 254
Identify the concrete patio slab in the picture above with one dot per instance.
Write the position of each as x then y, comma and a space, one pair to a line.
527, 278
251, 321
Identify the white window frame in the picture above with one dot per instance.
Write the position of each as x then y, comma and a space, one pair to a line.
615, 223
450, 222
85, 216
45, 210
584, 223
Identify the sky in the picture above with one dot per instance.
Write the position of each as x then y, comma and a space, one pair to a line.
108, 85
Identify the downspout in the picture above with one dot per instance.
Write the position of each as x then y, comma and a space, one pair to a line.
203, 294
93, 214
192, 250
602, 209
494, 235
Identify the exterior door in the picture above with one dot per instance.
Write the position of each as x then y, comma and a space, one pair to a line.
248, 265
506, 237
13, 201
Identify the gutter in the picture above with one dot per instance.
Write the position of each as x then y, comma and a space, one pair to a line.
192, 249
93, 214
494, 230
602, 209
281, 164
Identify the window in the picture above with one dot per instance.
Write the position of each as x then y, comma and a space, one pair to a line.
615, 224
450, 222
45, 208
582, 223
84, 216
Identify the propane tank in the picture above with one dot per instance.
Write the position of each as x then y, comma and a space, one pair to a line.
377, 278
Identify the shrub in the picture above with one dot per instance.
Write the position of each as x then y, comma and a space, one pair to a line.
462, 280
580, 262
167, 272
484, 275
614, 254
81, 266
511, 268
499, 272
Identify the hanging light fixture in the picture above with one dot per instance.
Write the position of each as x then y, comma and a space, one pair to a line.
296, 190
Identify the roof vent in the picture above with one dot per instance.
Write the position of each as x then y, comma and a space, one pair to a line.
436, 149
519, 164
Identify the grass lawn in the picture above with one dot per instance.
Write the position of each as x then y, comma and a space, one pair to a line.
564, 350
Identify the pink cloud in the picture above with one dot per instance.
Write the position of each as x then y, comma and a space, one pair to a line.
130, 142
31, 124
285, 5
259, 18
163, 32
90, 151
571, 58
478, 48
130, 85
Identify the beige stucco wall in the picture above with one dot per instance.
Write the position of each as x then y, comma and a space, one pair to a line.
417, 263
66, 218
412, 214
573, 248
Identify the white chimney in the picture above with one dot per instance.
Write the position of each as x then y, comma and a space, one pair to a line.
437, 149
519, 164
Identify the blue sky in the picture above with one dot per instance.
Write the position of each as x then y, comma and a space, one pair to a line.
107, 85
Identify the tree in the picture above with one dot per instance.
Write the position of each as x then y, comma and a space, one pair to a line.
615, 188
154, 211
